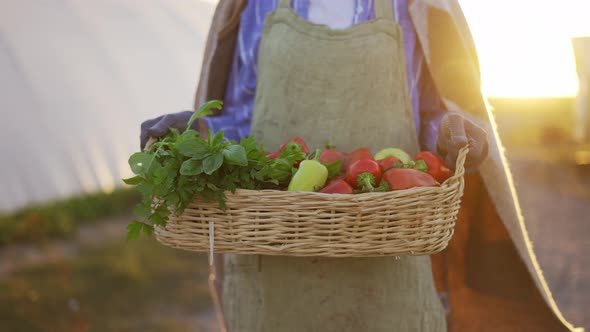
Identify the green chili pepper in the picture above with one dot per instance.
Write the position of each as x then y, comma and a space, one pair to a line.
311, 176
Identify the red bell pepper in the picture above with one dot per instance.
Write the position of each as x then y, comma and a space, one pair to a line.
283, 146
436, 166
388, 163
364, 173
304, 147
273, 155
345, 163
406, 178
337, 186
358, 154
330, 155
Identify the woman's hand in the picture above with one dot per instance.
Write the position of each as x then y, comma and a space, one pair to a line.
159, 126
454, 133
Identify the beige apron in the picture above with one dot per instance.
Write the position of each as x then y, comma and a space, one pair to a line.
349, 88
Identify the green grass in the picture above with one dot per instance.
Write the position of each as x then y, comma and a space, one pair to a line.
60, 219
130, 286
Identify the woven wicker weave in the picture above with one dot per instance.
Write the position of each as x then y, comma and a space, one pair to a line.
416, 221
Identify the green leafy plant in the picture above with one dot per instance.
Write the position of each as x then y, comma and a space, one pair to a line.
180, 166
61, 218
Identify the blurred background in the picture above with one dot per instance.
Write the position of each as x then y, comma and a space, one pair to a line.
78, 77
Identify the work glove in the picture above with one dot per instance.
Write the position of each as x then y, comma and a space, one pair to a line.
455, 132
159, 126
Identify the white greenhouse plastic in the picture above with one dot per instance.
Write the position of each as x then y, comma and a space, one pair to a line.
76, 80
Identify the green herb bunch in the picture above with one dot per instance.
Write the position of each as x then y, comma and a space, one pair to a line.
181, 166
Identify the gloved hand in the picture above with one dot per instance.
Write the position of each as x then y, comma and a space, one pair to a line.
159, 126
454, 133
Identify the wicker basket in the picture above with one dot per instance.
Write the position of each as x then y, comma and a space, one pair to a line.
416, 221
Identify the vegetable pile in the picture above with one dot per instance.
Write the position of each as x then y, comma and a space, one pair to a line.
182, 165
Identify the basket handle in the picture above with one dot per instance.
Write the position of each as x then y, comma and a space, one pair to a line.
460, 164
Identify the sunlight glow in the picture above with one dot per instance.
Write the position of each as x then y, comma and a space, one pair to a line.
524, 46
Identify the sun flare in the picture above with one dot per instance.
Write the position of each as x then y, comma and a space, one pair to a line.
525, 47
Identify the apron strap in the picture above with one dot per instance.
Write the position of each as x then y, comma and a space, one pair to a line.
384, 9
284, 3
